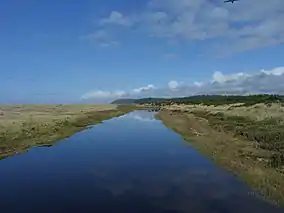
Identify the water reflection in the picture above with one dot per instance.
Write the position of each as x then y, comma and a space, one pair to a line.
128, 164
140, 116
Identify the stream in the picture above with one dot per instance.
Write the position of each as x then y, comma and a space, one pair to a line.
128, 164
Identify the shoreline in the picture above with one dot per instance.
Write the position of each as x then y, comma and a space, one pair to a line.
41, 134
227, 151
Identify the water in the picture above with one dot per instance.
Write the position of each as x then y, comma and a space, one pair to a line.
129, 164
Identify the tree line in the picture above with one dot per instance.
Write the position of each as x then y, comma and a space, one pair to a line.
214, 100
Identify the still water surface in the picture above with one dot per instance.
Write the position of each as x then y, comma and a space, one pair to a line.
129, 164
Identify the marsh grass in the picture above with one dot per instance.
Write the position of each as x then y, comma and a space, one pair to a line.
249, 141
268, 133
24, 126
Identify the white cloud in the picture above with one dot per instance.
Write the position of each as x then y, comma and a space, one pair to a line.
99, 94
263, 81
198, 83
221, 78
237, 27
277, 71
110, 95
173, 85
144, 89
116, 17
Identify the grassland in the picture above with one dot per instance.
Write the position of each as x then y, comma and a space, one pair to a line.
24, 126
247, 140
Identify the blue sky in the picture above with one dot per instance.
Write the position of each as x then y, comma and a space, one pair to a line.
72, 51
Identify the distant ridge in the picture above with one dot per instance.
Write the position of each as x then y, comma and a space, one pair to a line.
124, 101
208, 99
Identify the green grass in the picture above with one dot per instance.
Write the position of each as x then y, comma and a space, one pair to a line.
267, 133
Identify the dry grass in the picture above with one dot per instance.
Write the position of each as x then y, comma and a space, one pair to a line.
256, 112
248, 141
13, 116
23, 126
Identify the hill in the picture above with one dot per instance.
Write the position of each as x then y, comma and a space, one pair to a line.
124, 101
207, 100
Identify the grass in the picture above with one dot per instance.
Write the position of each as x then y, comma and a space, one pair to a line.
24, 126
249, 144
267, 134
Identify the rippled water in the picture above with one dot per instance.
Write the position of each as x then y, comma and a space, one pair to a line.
129, 164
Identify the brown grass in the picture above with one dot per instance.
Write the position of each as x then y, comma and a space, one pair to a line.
23, 126
256, 112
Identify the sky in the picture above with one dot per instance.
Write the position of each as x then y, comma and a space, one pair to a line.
88, 51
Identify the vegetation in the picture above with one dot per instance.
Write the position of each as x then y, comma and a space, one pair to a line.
246, 138
268, 134
124, 101
207, 100
24, 126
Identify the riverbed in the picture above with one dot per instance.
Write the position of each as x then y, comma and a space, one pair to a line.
128, 164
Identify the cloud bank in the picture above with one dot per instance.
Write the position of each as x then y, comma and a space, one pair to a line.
263, 81
228, 28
